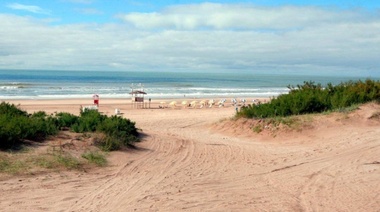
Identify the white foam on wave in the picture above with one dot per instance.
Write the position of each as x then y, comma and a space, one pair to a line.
8, 87
75, 92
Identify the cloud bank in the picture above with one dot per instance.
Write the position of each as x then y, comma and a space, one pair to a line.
221, 17
200, 37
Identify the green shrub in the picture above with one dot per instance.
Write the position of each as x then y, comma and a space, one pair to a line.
88, 121
119, 128
314, 98
11, 110
118, 131
12, 125
39, 114
40, 127
66, 120
16, 125
10, 130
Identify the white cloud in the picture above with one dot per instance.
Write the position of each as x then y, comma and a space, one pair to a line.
274, 38
240, 16
28, 8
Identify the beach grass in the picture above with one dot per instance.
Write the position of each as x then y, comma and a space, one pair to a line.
32, 161
10, 166
96, 158
294, 123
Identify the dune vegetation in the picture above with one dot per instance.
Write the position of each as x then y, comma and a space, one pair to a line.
17, 126
315, 98
18, 130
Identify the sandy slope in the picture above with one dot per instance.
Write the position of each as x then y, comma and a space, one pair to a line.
191, 160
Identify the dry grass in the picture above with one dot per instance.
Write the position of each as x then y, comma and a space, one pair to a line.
67, 151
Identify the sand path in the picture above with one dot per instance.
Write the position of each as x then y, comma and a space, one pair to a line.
183, 165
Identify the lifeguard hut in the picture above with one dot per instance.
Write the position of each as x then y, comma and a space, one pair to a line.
138, 96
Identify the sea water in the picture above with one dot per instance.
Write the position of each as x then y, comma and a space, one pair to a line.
38, 84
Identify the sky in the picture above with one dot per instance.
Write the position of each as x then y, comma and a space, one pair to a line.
333, 36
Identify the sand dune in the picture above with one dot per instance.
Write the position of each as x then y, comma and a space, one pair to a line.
197, 160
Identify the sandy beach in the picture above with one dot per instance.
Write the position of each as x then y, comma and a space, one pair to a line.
197, 159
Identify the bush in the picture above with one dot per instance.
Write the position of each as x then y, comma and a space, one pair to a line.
88, 121
314, 98
66, 120
10, 130
118, 131
16, 125
40, 127
11, 110
119, 128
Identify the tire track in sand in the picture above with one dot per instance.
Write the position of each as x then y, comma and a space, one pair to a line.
134, 179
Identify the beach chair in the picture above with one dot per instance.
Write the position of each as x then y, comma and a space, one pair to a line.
184, 104
173, 104
89, 107
193, 104
202, 104
162, 105
211, 103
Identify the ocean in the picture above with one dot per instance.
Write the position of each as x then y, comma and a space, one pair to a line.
36, 84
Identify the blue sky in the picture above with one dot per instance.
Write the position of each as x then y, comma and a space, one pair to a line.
103, 11
181, 35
